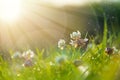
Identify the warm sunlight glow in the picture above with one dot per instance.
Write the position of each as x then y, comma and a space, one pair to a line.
66, 2
10, 9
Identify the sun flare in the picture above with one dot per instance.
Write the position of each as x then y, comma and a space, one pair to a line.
10, 9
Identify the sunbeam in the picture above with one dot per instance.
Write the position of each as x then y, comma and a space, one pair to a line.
10, 10
37, 22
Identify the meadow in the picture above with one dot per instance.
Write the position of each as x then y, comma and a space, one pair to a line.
66, 63
77, 56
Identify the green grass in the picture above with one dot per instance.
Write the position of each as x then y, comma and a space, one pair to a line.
60, 64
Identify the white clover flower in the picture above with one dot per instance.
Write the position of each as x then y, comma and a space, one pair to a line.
28, 63
79, 43
86, 40
109, 51
75, 35
61, 43
16, 55
115, 49
73, 43
28, 54
84, 70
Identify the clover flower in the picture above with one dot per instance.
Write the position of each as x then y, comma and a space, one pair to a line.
28, 54
73, 43
16, 55
61, 44
115, 49
112, 50
86, 40
28, 63
84, 70
75, 35
109, 50
79, 43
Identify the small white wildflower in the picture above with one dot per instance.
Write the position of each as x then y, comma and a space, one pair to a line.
79, 43
75, 35
74, 43
28, 54
84, 70
115, 49
109, 51
86, 40
61, 43
16, 55
28, 63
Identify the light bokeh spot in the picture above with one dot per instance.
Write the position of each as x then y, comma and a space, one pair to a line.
10, 9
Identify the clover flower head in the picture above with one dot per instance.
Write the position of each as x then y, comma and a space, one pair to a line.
73, 43
16, 55
79, 43
115, 49
28, 54
28, 63
75, 35
86, 40
61, 43
109, 50
84, 70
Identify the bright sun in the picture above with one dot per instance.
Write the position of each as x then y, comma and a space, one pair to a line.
10, 9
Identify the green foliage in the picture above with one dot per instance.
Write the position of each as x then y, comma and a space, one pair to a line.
99, 67
55, 64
